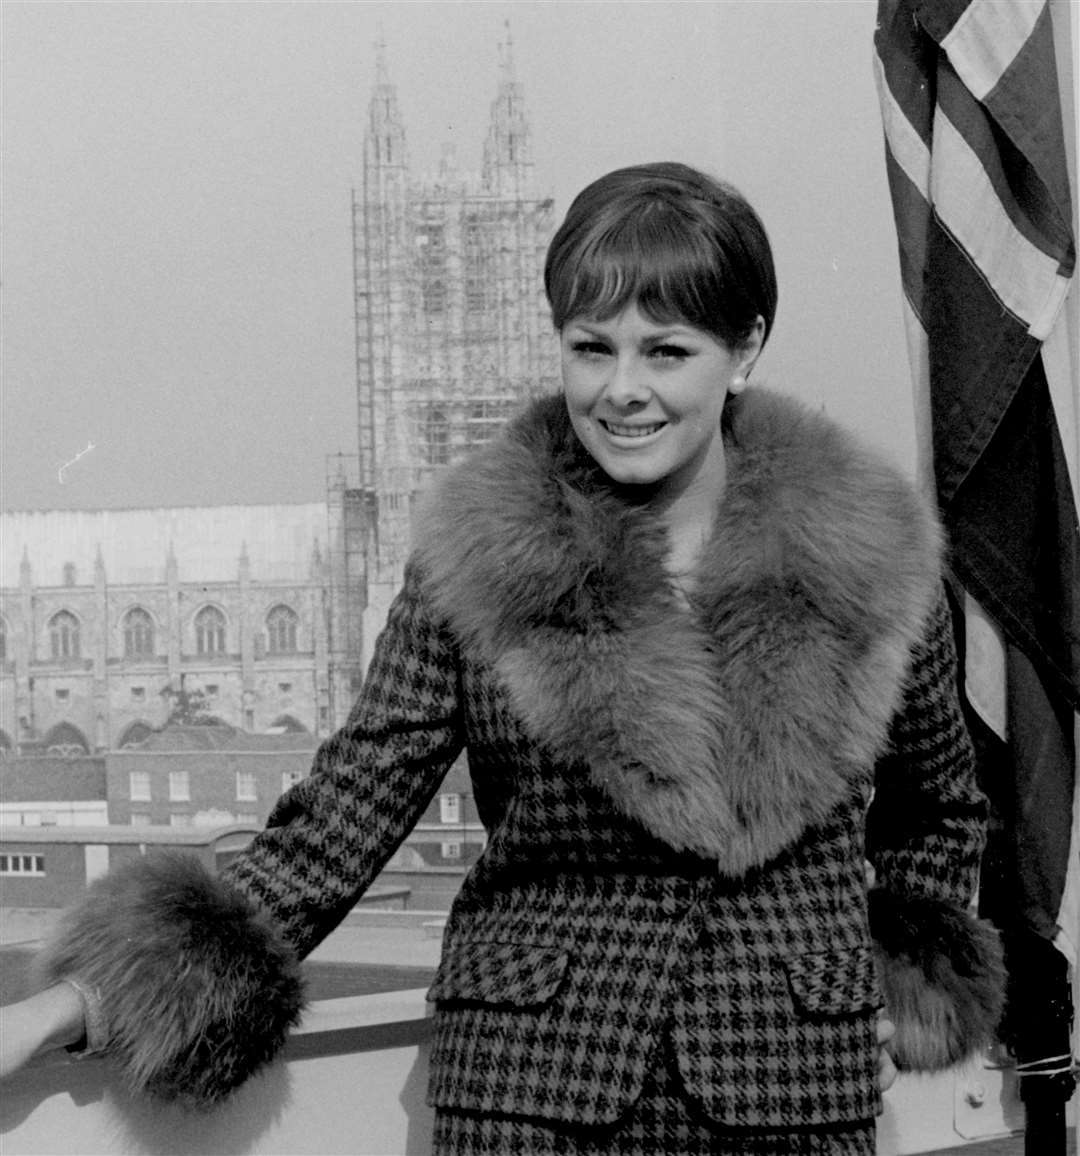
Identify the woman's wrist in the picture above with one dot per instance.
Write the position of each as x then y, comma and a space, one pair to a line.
53, 1018
64, 1015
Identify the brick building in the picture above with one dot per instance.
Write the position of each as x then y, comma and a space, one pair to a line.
44, 867
58, 813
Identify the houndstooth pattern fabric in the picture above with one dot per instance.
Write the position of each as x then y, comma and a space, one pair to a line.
578, 940
660, 1123
928, 768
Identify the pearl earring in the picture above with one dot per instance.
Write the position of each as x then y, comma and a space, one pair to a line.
737, 382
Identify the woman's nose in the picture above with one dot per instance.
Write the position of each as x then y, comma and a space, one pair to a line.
627, 384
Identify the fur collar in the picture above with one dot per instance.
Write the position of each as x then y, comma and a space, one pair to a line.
726, 729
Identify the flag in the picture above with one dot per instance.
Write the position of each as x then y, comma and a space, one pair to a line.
977, 172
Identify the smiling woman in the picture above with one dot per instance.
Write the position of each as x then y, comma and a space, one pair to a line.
689, 633
646, 400
663, 290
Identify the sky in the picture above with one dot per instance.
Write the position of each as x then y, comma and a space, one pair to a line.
176, 242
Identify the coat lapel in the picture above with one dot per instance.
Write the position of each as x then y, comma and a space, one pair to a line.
729, 728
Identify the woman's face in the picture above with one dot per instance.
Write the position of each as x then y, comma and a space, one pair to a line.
645, 397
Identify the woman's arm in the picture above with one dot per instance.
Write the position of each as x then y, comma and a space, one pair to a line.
941, 967
330, 835
52, 1018
198, 976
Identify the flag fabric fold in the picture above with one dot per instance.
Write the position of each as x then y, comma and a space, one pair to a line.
977, 172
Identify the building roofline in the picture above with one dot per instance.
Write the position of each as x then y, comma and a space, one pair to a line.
150, 835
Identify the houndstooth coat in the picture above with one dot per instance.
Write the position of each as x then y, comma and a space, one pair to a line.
677, 788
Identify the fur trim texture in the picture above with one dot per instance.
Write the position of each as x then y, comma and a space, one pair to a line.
197, 989
729, 729
942, 975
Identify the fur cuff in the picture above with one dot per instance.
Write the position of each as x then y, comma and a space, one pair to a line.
197, 989
942, 976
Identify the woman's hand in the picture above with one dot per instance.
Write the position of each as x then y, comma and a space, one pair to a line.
53, 1018
886, 1072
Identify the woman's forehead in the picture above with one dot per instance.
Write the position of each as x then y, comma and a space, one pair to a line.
629, 316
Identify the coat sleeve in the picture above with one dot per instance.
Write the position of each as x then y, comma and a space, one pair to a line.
940, 966
330, 835
191, 981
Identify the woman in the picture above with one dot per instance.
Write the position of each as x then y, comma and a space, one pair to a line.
693, 639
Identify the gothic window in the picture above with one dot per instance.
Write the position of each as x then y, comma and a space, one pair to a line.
5, 743
138, 634
486, 418
209, 631
479, 283
436, 437
64, 635
431, 261
134, 735
281, 625
69, 573
67, 740
289, 725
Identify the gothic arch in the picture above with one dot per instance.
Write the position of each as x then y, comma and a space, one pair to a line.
282, 625
66, 739
134, 734
139, 631
64, 635
288, 723
209, 625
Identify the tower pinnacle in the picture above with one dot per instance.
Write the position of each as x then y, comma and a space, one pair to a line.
508, 151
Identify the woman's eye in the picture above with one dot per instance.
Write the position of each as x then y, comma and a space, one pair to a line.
670, 352
590, 348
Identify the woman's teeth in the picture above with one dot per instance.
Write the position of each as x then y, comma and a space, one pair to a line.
631, 431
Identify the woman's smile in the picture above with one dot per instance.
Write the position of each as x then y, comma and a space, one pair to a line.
633, 432
645, 397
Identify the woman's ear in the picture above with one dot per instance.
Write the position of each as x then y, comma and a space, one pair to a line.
747, 353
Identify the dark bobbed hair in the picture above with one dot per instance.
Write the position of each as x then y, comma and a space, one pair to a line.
681, 245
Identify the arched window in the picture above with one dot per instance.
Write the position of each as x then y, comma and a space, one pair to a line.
135, 734
287, 724
64, 635
66, 740
69, 573
210, 631
138, 634
436, 437
281, 630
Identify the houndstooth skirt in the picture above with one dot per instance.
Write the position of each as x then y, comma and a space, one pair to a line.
662, 1123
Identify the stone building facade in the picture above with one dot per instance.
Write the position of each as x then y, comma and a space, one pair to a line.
271, 612
104, 613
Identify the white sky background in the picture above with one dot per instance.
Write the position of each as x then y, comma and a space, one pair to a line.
176, 224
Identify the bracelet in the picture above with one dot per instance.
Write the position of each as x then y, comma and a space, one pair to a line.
96, 1037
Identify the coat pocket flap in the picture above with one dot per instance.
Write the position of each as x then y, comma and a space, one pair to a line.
834, 982
518, 974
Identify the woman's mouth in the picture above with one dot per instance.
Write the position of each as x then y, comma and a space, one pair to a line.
642, 430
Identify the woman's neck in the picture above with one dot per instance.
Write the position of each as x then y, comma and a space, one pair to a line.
689, 518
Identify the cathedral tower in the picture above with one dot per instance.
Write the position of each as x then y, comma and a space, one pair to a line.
452, 330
